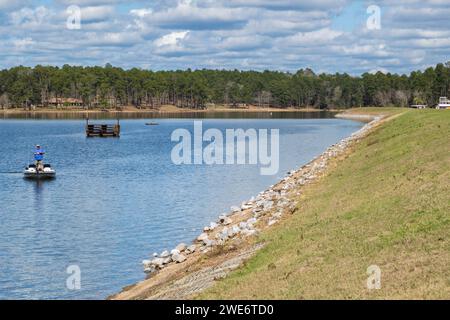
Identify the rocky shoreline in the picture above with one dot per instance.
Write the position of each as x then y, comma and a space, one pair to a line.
246, 221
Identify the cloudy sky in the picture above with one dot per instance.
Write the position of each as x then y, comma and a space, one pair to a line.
325, 35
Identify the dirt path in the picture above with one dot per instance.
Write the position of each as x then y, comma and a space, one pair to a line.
198, 281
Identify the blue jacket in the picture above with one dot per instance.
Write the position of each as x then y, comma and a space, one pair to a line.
39, 154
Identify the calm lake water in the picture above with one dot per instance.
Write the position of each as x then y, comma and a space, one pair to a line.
116, 201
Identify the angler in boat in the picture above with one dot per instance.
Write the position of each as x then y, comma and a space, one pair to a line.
39, 170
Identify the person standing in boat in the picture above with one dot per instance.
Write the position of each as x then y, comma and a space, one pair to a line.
39, 157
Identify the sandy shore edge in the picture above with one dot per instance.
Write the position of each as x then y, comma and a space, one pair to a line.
163, 110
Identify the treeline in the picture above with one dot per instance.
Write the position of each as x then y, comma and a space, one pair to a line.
111, 87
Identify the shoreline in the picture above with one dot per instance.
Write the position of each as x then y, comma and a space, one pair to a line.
163, 110
228, 242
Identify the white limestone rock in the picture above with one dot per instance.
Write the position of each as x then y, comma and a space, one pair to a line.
209, 243
202, 237
178, 258
267, 205
277, 215
181, 247
191, 249
150, 269
167, 260
146, 263
225, 220
223, 235
205, 250
235, 209
164, 254
236, 229
213, 225
246, 206
249, 232
157, 262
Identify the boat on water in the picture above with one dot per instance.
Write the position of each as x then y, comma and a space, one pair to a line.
32, 172
151, 123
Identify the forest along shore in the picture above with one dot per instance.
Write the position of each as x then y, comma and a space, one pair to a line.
110, 87
226, 244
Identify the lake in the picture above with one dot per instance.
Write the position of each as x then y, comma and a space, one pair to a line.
115, 201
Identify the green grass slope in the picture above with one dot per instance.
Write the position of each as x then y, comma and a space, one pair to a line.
386, 204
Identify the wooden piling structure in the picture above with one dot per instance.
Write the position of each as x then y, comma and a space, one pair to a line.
102, 130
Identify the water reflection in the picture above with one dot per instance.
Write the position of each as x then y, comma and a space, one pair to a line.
38, 187
172, 115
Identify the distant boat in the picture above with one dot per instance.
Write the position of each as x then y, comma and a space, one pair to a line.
152, 124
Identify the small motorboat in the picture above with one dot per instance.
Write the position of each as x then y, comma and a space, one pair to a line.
151, 123
32, 172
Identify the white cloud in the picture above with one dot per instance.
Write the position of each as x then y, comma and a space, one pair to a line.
172, 39
188, 14
30, 17
141, 12
319, 37
89, 2
289, 4
8, 4
242, 43
110, 39
21, 44
248, 34
96, 13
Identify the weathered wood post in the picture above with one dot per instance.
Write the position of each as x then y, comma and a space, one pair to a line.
117, 128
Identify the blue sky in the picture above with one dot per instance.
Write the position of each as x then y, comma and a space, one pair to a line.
352, 16
325, 35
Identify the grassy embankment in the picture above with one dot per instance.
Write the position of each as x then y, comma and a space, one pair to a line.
386, 203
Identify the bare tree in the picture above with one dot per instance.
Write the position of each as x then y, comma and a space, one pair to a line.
4, 101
